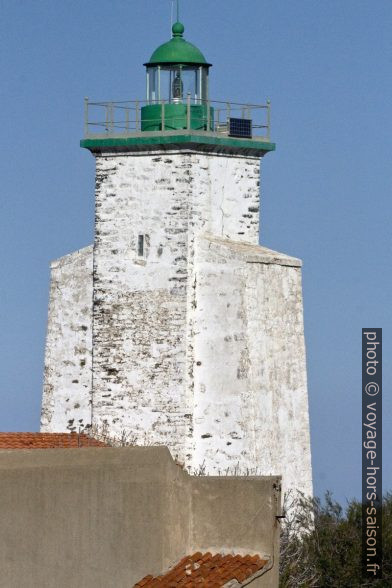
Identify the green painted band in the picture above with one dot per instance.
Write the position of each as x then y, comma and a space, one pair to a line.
132, 143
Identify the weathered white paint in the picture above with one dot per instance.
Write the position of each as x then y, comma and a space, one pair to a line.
198, 344
141, 305
250, 395
66, 402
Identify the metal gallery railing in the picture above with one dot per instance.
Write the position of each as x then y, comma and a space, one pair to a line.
127, 118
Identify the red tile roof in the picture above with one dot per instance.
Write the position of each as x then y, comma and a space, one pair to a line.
47, 441
206, 570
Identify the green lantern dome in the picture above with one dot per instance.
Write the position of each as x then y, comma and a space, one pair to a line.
177, 51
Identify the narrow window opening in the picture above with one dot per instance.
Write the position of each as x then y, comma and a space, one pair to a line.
140, 246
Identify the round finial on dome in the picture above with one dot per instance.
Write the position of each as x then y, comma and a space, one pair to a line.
178, 29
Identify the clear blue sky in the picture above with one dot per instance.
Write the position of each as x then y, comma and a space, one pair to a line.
326, 192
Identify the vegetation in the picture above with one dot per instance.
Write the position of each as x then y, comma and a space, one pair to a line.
321, 544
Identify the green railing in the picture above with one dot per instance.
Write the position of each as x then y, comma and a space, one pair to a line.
136, 117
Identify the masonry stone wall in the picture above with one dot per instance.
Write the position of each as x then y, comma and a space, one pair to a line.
250, 390
66, 401
141, 364
197, 331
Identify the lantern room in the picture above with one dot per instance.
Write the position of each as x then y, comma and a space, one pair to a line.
177, 87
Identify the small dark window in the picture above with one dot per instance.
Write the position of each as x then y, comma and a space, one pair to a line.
140, 246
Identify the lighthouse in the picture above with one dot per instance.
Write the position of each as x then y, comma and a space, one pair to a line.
176, 327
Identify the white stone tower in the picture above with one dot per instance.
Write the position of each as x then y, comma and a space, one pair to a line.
176, 327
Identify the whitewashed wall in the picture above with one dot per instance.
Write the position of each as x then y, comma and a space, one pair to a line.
250, 390
140, 359
66, 402
199, 343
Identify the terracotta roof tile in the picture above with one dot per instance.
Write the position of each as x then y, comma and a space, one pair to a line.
207, 571
47, 441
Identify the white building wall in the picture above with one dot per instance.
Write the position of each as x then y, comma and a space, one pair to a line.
225, 196
199, 343
250, 391
139, 302
66, 402
141, 366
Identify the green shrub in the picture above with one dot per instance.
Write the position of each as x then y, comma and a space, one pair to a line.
321, 544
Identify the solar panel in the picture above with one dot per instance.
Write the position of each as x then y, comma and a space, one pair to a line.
241, 127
